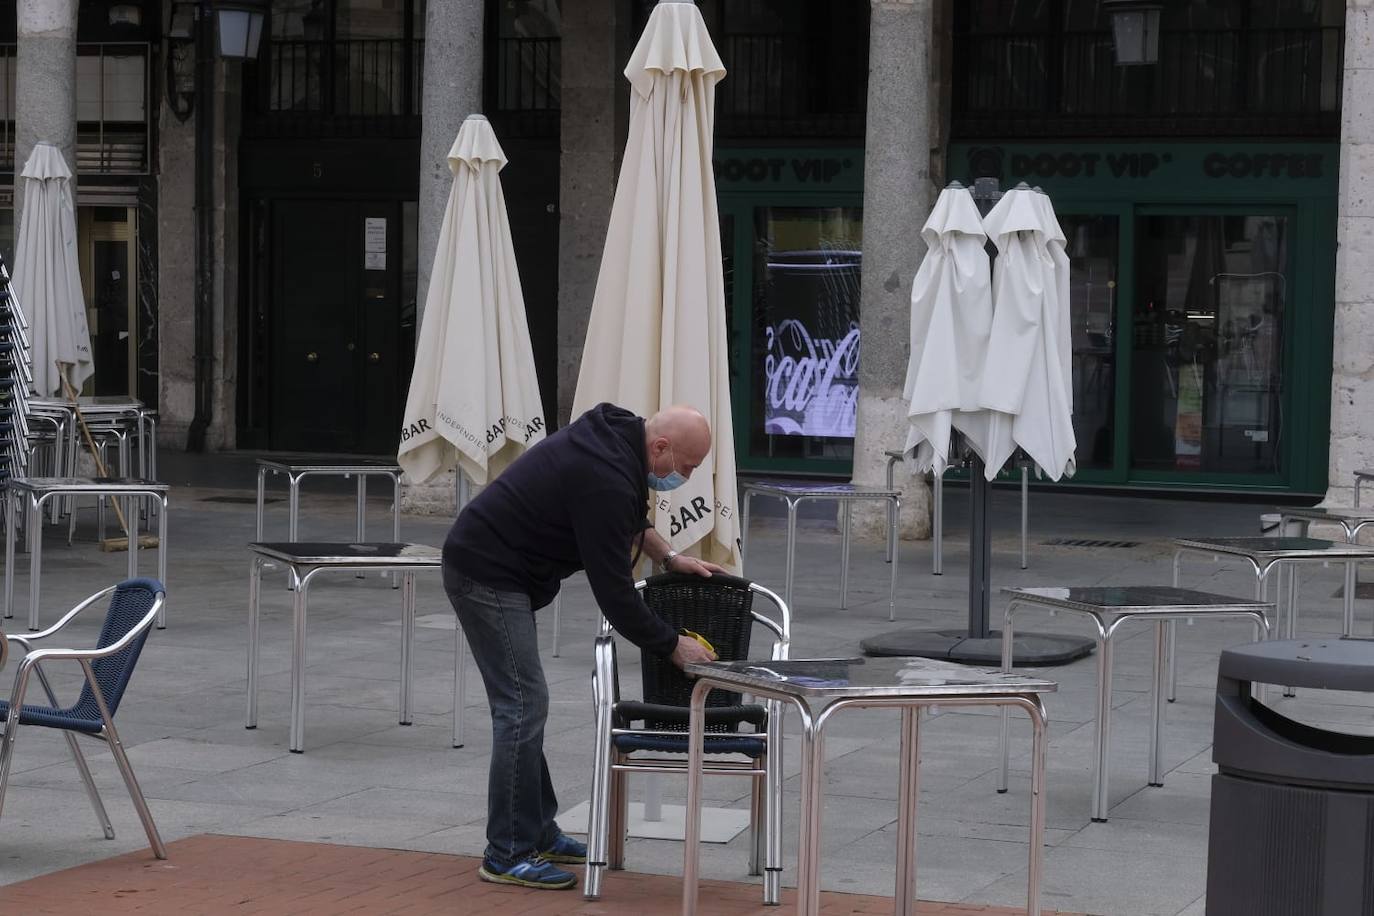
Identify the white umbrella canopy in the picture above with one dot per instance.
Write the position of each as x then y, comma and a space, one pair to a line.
657, 333
1026, 384
474, 398
951, 317
47, 275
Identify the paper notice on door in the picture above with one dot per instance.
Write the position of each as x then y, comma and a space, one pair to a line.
374, 236
374, 260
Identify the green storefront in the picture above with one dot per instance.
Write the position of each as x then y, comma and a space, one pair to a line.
1201, 305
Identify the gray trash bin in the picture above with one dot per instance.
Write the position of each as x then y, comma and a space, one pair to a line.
1292, 829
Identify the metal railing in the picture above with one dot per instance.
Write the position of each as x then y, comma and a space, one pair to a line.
313, 87
770, 90
529, 74
1259, 81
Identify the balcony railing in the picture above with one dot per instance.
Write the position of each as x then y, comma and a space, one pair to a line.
1254, 82
369, 87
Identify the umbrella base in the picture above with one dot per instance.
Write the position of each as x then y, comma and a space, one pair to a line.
1029, 650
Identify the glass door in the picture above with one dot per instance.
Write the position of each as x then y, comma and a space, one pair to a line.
107, 261
1209, 344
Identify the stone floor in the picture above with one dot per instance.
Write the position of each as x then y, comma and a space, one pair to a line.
368, 782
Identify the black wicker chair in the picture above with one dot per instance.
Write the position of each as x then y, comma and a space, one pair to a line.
720, 608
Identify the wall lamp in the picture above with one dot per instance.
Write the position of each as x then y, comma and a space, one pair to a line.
239, 26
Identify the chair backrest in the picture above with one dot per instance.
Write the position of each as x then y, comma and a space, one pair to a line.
720, 608
130, 603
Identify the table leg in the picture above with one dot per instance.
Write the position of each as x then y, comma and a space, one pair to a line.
1008, 646
791, 550
1348, 625
891, 515
407, 643
1157, 703
907, 794
262, 483
1025, 511
254, 594
161, 503
691, 847
1171, 660
131, 516
809, 848
10, 536
460, 681
937, 561
557, 621
844, 553
35, 529
892, 585
395, 520
1039, 747
362, 518
300, 585
293, 517
1103, 743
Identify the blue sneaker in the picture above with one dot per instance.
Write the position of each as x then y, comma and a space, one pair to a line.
566, 851
536, 871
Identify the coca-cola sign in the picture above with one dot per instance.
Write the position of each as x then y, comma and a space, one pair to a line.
811, 385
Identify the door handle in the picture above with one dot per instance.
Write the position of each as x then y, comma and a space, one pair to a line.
312, 357
350, 346
374, 357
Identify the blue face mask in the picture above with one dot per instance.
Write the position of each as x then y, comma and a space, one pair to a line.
670, 482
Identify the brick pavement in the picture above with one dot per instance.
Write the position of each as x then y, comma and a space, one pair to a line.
208, 874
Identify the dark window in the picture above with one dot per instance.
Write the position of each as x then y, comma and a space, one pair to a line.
1225, 68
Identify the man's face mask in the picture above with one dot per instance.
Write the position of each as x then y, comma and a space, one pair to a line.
669, 482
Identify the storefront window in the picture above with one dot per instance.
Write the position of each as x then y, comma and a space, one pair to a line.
805, 359
1208, 343
1092, 248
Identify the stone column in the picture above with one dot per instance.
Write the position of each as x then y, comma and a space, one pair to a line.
454, 60
898, 194
591, 86
45, 91
452, 91
1352, 367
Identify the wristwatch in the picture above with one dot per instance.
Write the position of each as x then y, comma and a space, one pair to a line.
667, 558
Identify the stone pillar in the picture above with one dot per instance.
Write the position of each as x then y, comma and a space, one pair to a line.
452, 91
898, 194
454, 57
1352, 367
45, 91
590, 147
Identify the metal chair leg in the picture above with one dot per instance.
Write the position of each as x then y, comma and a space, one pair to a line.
135, 793
91, 791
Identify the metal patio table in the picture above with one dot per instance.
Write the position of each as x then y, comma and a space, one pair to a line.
1109, 607
821, 688
35, 491
1265, 554
297, 468
303, 561
1362, 476
793, 494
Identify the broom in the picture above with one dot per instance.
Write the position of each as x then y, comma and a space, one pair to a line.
109, 545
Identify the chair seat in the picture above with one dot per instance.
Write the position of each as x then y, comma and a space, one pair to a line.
669, 744
53, 718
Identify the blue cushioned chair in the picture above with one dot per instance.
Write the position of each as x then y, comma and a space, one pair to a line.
720, 608
134, 605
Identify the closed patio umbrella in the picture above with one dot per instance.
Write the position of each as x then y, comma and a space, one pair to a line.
657, 332
47, 276
474, 399
951, 316
1026, 385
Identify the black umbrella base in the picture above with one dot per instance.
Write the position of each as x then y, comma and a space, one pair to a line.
1030, 650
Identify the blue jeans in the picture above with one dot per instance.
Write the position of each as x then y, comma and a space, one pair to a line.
521, 805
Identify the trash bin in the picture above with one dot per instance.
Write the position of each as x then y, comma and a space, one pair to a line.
1292, 830
1269, 526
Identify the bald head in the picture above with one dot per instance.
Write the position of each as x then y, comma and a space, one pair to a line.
676, 438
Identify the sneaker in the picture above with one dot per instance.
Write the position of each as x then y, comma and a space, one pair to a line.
566, 851
536, 871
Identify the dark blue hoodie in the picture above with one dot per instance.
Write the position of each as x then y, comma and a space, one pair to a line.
577, 500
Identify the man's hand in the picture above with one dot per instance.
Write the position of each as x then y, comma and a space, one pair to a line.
691, 652
691, 565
